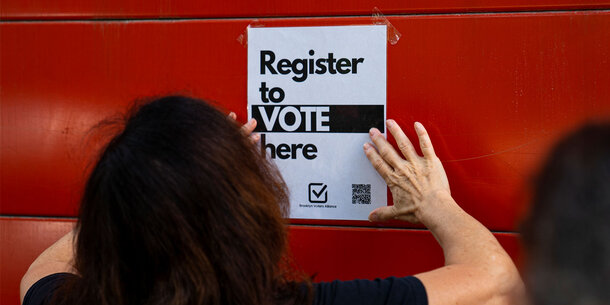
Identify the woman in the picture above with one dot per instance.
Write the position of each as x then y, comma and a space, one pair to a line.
182, 208
567, 234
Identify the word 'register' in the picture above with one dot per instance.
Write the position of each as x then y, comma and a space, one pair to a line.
302, 67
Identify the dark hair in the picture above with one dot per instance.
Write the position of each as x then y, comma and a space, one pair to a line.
567, 234
182, 209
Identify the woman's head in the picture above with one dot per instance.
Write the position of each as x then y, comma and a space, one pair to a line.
180, 208
567, 235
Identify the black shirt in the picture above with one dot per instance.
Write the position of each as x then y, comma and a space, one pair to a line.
391, 291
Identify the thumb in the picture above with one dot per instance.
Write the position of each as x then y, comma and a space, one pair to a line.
383, 214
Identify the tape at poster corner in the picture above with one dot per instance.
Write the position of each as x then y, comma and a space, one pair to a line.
243, 37
378, 18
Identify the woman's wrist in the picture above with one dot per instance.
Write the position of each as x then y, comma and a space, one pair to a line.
437, 208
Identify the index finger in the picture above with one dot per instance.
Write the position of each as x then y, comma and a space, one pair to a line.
385, 149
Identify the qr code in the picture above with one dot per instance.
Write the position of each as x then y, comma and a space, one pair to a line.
361, 194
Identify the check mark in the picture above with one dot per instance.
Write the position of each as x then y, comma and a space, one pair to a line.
318, 194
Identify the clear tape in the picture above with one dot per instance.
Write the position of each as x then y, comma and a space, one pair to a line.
378, 18
243, 37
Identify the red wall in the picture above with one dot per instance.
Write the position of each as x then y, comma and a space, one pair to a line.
134, 9
495, 85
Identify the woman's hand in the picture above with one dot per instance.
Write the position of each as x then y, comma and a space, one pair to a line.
415, 182
247, 128
477, 270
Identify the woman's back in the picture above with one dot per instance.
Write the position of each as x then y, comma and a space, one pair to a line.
153, 221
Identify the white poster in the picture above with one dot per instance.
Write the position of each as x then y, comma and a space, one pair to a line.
316, 92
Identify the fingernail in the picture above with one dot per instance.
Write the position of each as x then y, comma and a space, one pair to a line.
391, 122
373, 132
366, 146
419, 126
256, 137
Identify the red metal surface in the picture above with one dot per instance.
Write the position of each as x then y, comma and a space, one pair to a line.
71, 9
494, 90
348, 253
332, 253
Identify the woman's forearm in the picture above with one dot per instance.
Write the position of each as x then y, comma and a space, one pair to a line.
463, 238
471, 252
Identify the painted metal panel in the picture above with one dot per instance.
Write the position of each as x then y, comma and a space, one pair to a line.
330, 252
134, 9
494, 90
347, 253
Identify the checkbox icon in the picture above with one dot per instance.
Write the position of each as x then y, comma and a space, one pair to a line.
318, 193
